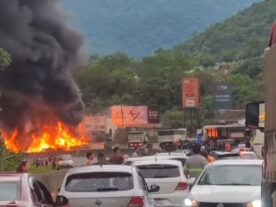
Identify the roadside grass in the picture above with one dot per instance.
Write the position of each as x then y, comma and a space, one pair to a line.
39, 170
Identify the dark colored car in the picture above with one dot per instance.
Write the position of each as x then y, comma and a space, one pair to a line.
22, 189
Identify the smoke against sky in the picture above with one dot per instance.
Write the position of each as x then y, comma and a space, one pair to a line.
44, 50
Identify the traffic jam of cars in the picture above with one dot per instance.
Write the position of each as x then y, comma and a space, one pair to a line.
159, 180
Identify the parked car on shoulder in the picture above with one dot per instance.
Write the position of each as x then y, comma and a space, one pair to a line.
169, 176
228, 183
22, 189
65, 161
107, 185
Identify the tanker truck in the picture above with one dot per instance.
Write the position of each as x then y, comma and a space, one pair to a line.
262, 116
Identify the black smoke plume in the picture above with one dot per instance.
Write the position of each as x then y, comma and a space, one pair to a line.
44, 49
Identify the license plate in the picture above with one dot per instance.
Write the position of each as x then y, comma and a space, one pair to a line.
159, 202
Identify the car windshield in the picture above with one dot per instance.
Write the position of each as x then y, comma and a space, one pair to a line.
9, 190
159, 171
99, 182
232, 175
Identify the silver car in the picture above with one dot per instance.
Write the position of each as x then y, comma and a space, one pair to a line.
65, 161
106, 186
22, 189
169, 176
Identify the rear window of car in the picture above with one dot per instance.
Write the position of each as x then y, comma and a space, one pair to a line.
99, 182
159, 171
9, 190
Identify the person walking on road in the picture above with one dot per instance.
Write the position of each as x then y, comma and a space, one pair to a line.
195, 164
135, 153
54, 162
90, 158
117, 157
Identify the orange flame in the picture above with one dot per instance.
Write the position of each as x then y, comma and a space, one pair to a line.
51, 137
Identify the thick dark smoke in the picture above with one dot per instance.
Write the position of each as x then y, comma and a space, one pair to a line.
44, 49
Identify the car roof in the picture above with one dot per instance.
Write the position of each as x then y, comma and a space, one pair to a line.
172, 154
224, 153
141, 158
65, 155
238, 162
152, 162
249, 152
13, 176
160, 156
102, 168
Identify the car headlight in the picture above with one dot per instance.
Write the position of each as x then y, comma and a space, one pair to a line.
256, 203
190, 203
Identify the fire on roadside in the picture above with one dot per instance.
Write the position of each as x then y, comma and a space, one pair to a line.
49, 137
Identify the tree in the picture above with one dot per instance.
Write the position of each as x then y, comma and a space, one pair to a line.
173, 119
9, 160
5, 58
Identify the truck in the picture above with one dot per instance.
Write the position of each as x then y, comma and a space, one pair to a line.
233, 131
172, 137
136, 139
262, 116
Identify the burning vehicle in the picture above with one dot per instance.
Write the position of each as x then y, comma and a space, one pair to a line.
41, 103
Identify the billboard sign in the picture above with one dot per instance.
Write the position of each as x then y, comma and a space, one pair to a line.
153, 116
190, 94
95, 123
129, 116
222, 96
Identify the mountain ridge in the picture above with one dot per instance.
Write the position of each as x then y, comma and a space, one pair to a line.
139, 27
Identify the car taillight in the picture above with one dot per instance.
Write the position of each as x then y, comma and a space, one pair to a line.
137, 202
182, 186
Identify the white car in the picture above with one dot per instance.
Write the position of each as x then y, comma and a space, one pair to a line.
226, 183
161, 156
169, 176
106, 186
248, 155
65, 161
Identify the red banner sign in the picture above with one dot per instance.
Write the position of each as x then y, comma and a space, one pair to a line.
129, 116
190, 93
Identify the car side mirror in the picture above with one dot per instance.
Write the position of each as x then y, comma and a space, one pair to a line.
154, 188
191, 181
61, 201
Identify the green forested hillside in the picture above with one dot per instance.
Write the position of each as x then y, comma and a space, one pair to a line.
139, 27
156, 80
240, 37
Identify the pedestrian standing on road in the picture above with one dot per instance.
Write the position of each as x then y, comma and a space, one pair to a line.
117, 157
23, 167
135, 153
125, 157
145, 152
54, 162
101, 159
195, 164
90, 158
207, 156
